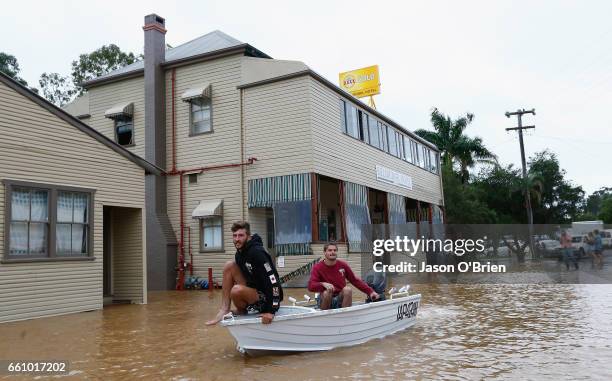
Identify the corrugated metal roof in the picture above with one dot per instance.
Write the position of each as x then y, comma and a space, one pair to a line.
210, 42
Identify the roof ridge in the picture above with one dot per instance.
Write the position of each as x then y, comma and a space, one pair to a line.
224, 35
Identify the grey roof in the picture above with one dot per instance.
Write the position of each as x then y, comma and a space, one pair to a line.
53, 109
208, 43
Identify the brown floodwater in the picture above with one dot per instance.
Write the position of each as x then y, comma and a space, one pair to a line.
462, 332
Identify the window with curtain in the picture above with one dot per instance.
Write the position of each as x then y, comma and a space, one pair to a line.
47, 221
200, 115
29, 222
357, 215
363, 127
72, 223
383, 137
211, 233
124, 130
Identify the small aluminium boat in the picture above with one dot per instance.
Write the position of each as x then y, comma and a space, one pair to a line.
300, 329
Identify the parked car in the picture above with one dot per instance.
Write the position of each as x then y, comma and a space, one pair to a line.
549, 248
580, 246
606, 238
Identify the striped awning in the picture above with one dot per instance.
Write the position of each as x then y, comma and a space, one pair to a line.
269, 190
120, 110
203, 91
208, 208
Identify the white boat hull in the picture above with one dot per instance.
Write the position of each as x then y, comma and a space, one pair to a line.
300, 329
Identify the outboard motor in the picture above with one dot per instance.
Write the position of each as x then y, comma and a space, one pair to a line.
378, 282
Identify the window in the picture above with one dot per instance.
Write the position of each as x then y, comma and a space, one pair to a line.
434, 161
72, 223
351, 120
124, 130
426, 158
211, 233
375, 133
392, 135
408, 149
29, 222
200, 115
363, 127
47, 222
383, 137
193, 178
418, 149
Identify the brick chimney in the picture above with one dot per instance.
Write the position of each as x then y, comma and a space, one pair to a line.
161, 242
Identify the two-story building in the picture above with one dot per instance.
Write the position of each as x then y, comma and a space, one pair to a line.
243, 136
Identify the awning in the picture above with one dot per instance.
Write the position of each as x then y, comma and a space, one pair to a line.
120, 110
208, 208
203, 91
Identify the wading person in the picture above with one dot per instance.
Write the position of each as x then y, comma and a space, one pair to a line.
598, 249
329, 277
251, 280
568, 250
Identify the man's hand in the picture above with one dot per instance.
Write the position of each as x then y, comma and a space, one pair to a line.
328, 286
374, 295
267, 318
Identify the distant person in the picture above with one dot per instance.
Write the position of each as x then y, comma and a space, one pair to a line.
568, 250
590, 241
329, 277
598, 249
251, 280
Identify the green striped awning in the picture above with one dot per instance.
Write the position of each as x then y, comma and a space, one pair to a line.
266, 191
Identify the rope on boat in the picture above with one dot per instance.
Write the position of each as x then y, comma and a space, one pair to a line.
299, 271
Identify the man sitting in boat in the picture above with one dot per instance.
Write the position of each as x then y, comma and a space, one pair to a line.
329, 277
251, 280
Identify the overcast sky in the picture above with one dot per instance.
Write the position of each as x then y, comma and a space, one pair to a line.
484, 57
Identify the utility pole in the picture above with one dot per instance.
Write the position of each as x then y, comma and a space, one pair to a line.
520, 128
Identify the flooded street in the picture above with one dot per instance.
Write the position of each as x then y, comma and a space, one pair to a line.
462, 332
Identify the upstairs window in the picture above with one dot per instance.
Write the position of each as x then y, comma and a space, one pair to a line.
124, 130
200, 108
408, 149
363, 127
351, 119
200, 116
375, 133
392, 135
123, 117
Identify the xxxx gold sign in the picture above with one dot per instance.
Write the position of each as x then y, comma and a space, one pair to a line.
361, 82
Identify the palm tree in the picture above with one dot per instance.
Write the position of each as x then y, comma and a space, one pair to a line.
456, 148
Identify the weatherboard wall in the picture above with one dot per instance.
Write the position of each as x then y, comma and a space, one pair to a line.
37, 146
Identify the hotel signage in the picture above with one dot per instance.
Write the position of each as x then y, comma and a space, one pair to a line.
390, 176
361, 83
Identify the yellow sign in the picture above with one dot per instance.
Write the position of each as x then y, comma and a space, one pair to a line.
361, 82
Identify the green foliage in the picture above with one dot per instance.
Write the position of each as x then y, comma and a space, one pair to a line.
595, 200
561, 201
99, 62
10, 67
56, 89
463, 202
456, 148
606, 211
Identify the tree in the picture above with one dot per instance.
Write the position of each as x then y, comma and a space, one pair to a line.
10, 67
595, 200
99, 62
561, 201
606, 211
463, 202
456, 147
56, 89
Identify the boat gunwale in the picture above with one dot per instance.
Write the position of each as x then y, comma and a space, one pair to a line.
257, 320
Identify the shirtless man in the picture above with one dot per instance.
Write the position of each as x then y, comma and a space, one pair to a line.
251, 280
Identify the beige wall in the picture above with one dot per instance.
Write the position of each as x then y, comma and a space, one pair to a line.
37, 146
104, 97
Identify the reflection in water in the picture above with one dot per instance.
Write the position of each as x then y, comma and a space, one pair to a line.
463, 332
